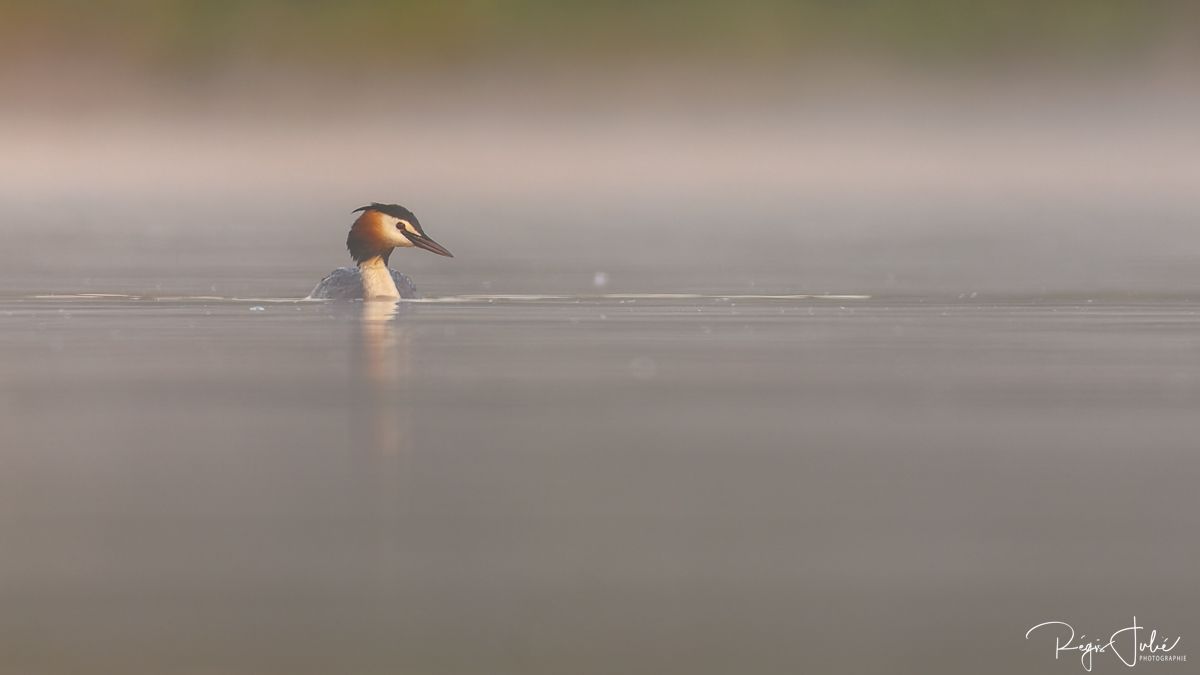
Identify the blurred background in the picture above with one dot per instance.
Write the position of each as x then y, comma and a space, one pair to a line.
199, 475
911, 145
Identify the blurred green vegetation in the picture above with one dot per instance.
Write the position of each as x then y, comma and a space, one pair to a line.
217, 33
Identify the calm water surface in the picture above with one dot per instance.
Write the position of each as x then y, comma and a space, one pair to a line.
583, 484
1003, 433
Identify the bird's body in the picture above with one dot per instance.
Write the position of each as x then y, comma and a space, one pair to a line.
374, 235
346, 283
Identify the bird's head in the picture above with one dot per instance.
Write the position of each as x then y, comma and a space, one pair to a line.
384, 227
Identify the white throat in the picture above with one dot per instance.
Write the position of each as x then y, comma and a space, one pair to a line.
377, 279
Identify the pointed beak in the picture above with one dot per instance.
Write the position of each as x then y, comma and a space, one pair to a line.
421, 241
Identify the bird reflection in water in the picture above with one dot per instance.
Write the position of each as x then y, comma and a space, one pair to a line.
380, 428
381, 363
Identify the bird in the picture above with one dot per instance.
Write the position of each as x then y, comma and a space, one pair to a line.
379, 230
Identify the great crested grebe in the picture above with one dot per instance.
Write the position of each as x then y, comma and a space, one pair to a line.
380, 229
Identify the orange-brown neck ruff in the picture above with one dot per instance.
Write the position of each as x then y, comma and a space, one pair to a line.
366, 238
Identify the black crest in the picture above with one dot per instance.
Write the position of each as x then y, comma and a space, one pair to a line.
393, 210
